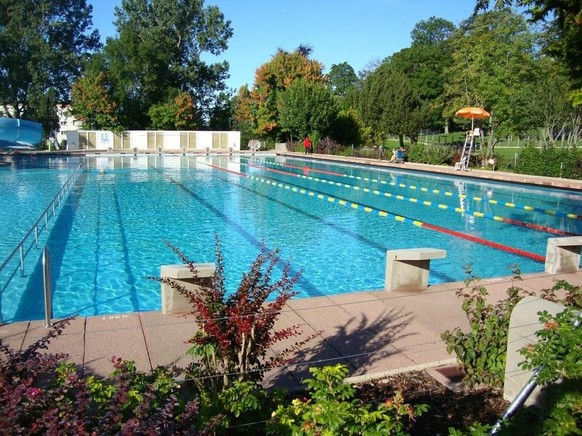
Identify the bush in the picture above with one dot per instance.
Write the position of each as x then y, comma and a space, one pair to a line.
235, 329
433, 154
235, 332
332, 409
327, 146
42, 394
482, 350
557, 357
550, 161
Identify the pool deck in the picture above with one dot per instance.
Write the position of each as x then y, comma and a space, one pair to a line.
376, 333
479, 173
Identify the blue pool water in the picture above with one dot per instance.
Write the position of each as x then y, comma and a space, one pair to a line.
109, 235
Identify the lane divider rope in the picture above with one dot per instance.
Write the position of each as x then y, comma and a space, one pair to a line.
399, 218
493, 201
441, 206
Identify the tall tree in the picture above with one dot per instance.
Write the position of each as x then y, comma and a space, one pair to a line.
244, 111
43, 109
434, 31
563, 19
307, 109
493, 57
425, 62
44, 44
91, 102
222, 112
543, 104
349, 129
179, 114
390, 104
157, 56
341, 79
272, 79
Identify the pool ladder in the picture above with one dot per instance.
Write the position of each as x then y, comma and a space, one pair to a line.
41, 223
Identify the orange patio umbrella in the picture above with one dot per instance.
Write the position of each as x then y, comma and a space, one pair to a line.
472, 113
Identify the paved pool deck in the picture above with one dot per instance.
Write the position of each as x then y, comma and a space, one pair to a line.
474, 172
375, 333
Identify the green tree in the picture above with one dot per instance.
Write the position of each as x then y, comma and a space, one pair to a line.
493, 56
348, 128
390, 104
91, 102
260, 107
425, 62
244, 108
307, 108
43, 108
563, 22
222, 112
44, 46
546, 103
341, 79
177, 114
157, 56
424, 66
434, 31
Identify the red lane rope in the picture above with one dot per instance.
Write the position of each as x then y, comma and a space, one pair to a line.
538, 227
482, 241
461, 235
311, 170
287, 173
225, 170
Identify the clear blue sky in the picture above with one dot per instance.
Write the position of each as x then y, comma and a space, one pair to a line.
352, 31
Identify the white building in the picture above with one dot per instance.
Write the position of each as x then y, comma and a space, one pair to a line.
67, 122
152, 140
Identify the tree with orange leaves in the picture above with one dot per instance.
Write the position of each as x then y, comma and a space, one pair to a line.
177, 114
92, 103
257, 109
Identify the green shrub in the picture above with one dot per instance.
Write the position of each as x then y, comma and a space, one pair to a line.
333, 410
550, 161
431, 153
557, 355
482, 350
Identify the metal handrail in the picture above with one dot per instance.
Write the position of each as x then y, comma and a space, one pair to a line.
525, 392
47, 288
35, 227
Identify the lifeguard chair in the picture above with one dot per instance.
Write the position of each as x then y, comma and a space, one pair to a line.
470, 145
471, 113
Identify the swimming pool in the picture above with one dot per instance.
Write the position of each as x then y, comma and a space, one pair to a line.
334, 222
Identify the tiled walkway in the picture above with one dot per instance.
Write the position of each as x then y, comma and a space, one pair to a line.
374, 332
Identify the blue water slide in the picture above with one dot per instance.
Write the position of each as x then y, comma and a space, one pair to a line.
16, 133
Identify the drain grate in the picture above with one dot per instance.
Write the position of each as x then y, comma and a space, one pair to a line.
450, 376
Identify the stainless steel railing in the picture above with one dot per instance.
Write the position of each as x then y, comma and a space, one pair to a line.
47, 288
40, 224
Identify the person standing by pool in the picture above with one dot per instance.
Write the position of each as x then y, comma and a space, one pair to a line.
307, 145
